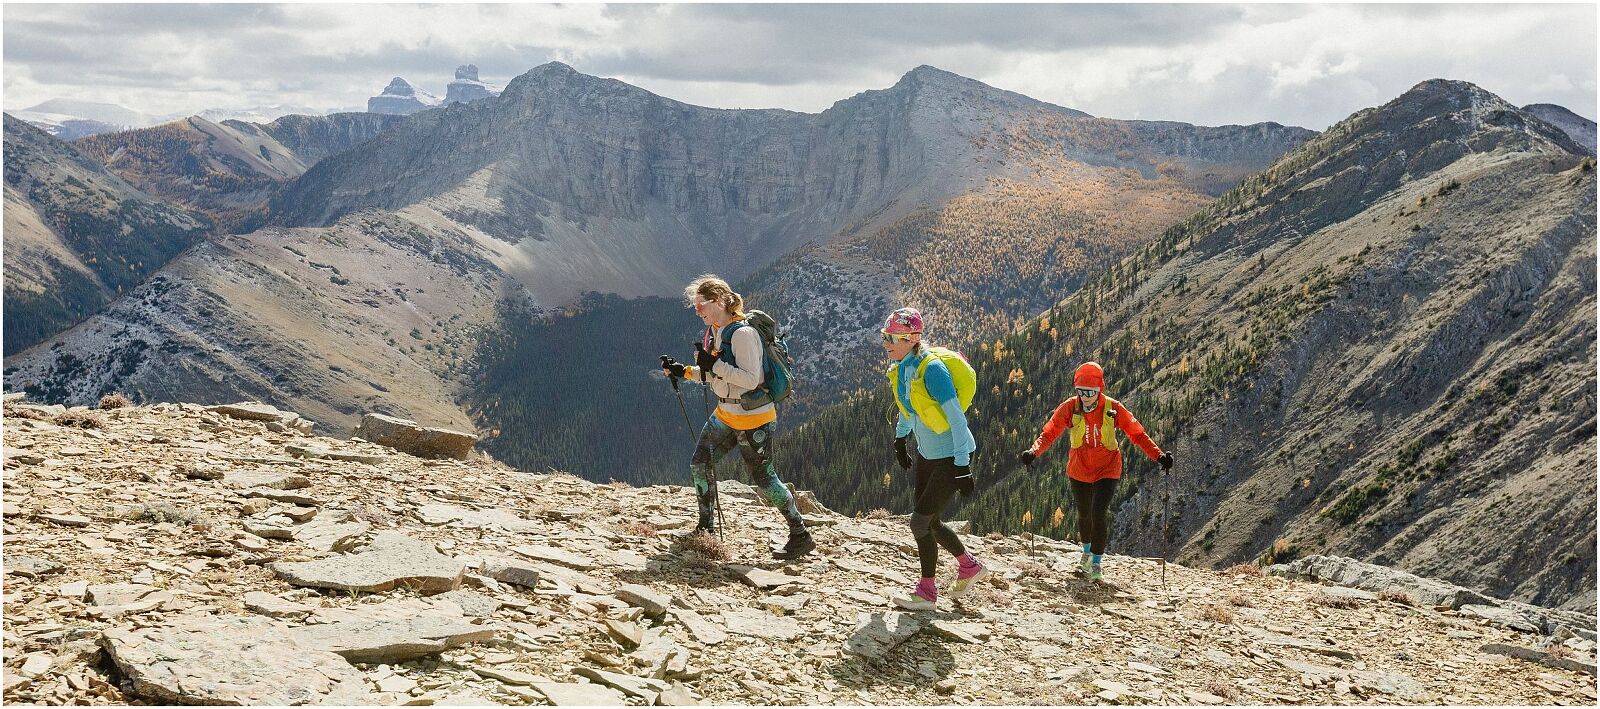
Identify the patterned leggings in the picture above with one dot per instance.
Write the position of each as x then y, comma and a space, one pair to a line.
755, 447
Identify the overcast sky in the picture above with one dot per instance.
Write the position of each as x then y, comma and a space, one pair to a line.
1307, 65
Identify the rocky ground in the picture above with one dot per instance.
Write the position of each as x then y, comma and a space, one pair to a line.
173, 554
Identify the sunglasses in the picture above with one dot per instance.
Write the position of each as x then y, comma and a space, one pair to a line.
1087, 393
891, 337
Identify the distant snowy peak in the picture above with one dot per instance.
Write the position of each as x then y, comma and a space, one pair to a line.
108, 113
467, 87
402, 99
67, 127
259, 114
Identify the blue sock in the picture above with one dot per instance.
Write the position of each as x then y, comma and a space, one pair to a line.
1094, 559
1085, 547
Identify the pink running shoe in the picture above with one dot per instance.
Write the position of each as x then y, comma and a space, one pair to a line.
966, 577
925, 597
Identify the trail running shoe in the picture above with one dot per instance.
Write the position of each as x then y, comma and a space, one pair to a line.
1094, 572
967, 577
1084, 563
800, 544
925, 597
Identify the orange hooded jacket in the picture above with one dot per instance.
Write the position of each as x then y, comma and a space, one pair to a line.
1092, 461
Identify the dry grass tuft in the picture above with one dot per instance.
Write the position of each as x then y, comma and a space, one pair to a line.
114, 401
1400, 597
1243, 570
162, 512
1220, 688
1327, 601
640, 528
1241, 600
23, 412
1217, 614
703, 545
79, 419
879, 513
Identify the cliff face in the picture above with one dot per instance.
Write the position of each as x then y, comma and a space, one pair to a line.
174, 554
1382, 346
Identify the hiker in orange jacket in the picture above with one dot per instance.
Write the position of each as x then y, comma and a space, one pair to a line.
1095, 462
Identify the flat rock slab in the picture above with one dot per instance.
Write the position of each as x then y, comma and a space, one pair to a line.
1504, 617
1039, 626
67, 520
406, 436
274, 479
31, 566
117, 594
293, 498
392, 640
325, 453
654, 604
876, 634
1392, 683
627, 634
576, 579
873, 570
706, 632
252, 411
1574, 664
761, 624
555, 556
676, 696
439, 513
641, 687
1378, 579
329, 535
471, 603
274, 607
202, 659
508, 571
580, 694
507, 676
786, 605
970, 633
391, 560
761, 578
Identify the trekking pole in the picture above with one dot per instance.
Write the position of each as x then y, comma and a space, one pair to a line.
1166, 496
681, 406
711, 465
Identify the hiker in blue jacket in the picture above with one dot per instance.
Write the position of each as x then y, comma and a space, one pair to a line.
925, 391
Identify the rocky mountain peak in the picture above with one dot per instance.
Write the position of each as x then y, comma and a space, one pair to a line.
1446, 109
401, 98
185, 554
468, 72
399, 87
1581, 130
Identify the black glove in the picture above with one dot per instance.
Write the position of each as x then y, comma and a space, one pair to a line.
901, 455
672, 368
1027, 457
1165, 460
703, 359
963, 480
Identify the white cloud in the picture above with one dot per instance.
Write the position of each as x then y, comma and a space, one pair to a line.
1309, 65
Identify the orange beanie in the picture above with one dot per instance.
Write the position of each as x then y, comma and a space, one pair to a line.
1089, 374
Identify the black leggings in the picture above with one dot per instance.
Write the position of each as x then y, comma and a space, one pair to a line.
935, 486
1093, 500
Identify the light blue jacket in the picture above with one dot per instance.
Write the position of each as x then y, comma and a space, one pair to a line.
958, 441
